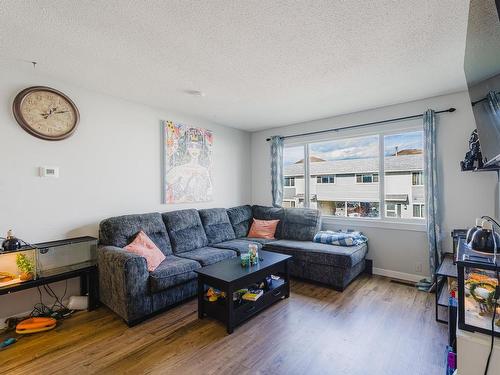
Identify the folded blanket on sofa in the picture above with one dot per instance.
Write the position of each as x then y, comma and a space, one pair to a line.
340, 238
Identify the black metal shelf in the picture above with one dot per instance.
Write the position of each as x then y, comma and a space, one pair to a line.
447, 268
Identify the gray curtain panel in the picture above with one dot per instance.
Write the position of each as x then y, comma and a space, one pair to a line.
494, 103
431, 190
277, 170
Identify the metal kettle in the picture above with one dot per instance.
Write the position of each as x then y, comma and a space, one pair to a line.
11, 243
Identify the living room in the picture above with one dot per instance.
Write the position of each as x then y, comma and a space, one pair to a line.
160, 157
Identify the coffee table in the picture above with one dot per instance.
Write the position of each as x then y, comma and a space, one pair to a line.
229, 276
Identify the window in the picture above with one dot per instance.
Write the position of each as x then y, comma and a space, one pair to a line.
328, 179
403, 176
366, 178
418, 211
342, 177
293, 162
417, 178
335, 167
393, 209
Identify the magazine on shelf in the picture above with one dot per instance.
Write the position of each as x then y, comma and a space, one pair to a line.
253, 294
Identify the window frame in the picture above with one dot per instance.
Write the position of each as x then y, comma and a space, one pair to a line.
333, 176
420, 178
421, 208
363, 175
289, 179
383, 221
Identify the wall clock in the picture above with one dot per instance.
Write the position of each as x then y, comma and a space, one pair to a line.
46, 113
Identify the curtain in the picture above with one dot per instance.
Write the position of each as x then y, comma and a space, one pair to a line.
431, 191
494, 103
277, 170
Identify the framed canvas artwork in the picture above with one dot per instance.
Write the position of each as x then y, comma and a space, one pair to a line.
188, 163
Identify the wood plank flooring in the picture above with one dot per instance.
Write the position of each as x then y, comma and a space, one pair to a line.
373, 327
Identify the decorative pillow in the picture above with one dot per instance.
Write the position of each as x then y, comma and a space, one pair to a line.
143, 246
263, 229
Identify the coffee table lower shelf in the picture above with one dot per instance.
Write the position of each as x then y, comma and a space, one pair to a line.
228, 276
247, 309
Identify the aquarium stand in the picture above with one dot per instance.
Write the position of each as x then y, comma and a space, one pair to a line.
57, 261
88, 284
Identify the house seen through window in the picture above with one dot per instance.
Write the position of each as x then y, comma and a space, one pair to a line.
344, 176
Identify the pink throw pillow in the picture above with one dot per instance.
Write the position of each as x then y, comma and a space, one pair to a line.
263, 229
143, 246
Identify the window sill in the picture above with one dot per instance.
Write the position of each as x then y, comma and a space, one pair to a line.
355, 222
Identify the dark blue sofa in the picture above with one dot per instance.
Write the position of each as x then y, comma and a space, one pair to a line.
191, 239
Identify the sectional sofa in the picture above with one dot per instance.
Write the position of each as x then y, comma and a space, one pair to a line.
191, 239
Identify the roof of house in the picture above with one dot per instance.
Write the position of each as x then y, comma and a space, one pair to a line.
399, 163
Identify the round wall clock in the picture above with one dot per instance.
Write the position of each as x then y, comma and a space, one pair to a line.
46, 113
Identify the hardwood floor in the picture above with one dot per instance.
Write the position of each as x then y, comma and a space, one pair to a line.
374, 327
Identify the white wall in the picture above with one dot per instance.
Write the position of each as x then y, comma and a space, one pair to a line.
110, 166
464, 195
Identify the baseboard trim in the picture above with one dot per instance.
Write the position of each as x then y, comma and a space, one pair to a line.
3, 325
397, 275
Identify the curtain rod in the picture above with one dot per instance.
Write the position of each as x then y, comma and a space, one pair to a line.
361, 125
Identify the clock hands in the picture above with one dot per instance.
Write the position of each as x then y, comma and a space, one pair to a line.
52, 111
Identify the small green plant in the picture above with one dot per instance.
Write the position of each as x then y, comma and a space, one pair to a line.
24, 263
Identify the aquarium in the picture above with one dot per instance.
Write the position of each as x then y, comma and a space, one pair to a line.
477, 280
17, 266
66, 255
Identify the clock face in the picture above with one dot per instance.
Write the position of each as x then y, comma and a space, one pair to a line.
46, 113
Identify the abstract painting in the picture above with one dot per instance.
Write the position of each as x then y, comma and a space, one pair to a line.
188, 163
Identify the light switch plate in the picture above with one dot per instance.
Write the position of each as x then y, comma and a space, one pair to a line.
49, 172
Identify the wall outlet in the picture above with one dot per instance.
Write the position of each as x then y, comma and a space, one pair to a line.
418, 267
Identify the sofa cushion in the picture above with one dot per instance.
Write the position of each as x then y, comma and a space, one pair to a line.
185, 230
171, 272
119, 231
271, 213
239, 245
208, 255
241, 219
301, 224
217, 226
312, 252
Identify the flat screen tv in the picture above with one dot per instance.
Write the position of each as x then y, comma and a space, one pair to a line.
482, 71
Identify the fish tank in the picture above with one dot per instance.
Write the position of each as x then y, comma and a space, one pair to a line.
477, 280
62, 256
18, 266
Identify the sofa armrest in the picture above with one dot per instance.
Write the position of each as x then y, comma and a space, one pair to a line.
123, 282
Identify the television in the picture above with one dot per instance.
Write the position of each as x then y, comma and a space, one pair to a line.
482, 71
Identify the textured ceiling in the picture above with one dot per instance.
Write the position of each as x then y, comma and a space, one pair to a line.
260, 63
482, 57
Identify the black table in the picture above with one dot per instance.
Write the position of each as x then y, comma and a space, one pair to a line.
88, 283
229, 276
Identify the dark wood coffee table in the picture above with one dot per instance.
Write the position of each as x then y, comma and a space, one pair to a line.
229, 276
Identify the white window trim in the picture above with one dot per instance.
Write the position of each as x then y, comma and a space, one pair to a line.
289, 186
421, 174
419, 225
327, 183
365, 174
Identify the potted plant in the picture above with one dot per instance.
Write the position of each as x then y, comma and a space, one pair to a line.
26, 267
